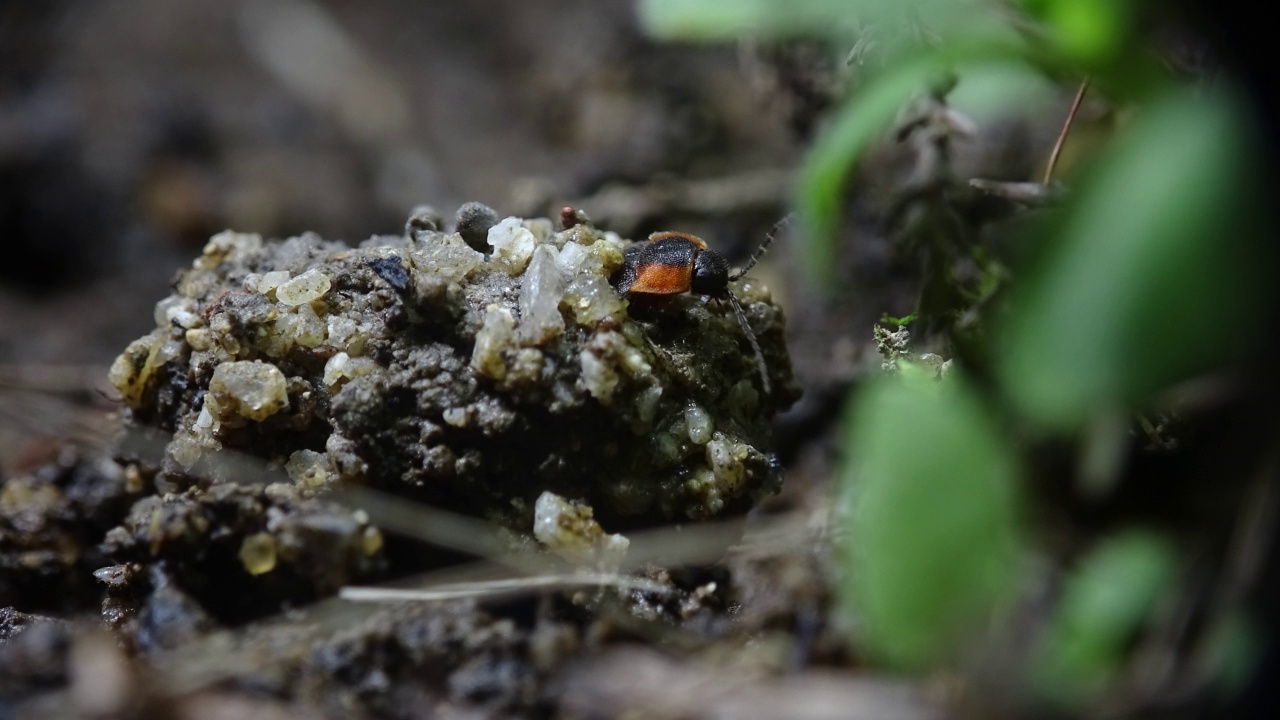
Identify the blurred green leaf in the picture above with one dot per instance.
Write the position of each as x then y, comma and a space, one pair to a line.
1105, 602
891, 22
1150, 272
727, 19
1092, 33
929, 487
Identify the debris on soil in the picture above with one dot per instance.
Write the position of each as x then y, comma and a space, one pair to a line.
33, 654
50, 523
238, 551
476, 382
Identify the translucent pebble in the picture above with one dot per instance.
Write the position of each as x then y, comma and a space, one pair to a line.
540, 291
258, 553
609, 252
726, 460
175, 310
541, 228
699, 423
495, 336
272, 280
635, 363
309, 330
343, 367
227, 246
647, 403
333, 369
445, 256
703, 485
346, 334
512, 244
169, 351
456, 417
526, 366
668, 447
553, 520
282, 337
599, 377
135, 368
592, 299
570, 530
200, 339
249, 388
185, 450
308, 286
571, 258
308, 469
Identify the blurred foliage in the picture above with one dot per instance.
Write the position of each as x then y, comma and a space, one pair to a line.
932, 538
1090, 33
1146, 274
1104, 605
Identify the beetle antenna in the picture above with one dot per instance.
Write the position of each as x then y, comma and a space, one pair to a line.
755, 256
751, 338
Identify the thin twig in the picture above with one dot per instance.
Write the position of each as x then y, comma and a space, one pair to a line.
1066, 129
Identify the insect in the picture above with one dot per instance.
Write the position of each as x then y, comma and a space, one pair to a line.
671, 263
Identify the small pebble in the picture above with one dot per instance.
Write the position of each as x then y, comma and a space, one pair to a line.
473, 222
310, 285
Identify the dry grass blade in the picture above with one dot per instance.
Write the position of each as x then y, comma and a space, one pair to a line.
426, 523
491, 588
1023, 193
1066, 129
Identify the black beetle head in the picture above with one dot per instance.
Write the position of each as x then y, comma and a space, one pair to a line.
710, 274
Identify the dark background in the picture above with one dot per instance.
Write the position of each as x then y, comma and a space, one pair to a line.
131, 130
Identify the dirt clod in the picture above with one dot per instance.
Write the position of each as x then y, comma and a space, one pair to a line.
475, 382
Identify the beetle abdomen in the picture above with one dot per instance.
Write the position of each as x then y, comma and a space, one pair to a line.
663, 266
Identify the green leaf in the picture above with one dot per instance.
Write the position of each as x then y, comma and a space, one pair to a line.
1150, 274
929, 493
1090, 32
890, 22
1105, 602
727, 19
